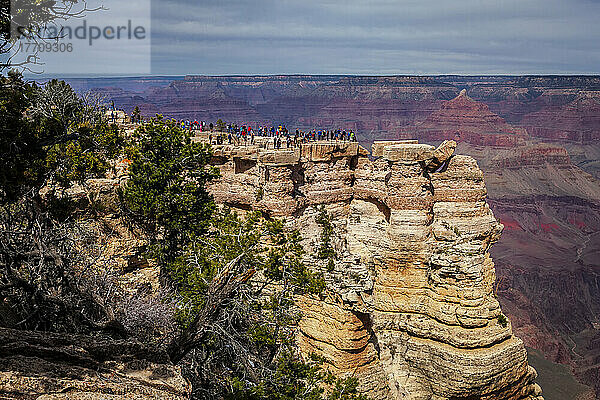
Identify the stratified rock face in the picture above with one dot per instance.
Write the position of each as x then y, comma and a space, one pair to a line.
551, 217
45, 366
549, 207
410, 308
466, 120
559, 108
577, 121
532, 155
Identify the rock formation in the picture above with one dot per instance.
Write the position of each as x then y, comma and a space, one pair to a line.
562, 108
46, 366
410, 308
466, 120
549, 207
551, 217
577, 121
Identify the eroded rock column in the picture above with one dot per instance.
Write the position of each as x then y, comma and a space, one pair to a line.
410, 309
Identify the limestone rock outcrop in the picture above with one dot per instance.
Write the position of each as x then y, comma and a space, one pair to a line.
410, 308
45, 366
549, 244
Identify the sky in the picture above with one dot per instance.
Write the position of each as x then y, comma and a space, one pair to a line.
371, 37
83, 49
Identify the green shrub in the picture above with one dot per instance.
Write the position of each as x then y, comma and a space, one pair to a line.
323, 219
166, 192
502, 320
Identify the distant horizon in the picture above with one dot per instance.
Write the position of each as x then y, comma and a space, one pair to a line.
82, 76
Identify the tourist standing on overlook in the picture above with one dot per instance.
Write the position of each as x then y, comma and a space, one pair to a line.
236, 134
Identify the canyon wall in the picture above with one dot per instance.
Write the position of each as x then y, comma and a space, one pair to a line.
466, 120
559, 108
562, 109
550, 210
410, 308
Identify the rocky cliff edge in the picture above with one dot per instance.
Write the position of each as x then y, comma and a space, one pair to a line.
410, 308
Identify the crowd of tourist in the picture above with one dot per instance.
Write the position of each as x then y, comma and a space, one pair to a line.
281, 136
201, 126
244, 135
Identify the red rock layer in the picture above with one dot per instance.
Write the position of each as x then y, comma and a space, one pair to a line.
577, 121
466, 120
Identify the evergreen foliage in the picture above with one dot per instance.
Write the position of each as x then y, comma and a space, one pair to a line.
326, 250
237, 277
502, 320
295, 380
220, 125
21, 156
43, 249
48, 136
166, 192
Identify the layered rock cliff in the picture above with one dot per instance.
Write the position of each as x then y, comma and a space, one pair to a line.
410, 308
561, 108
549, 208
467, 120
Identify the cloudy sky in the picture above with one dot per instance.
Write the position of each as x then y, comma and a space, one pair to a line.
218, 37
375, 36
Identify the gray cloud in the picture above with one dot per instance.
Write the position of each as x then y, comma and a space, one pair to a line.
375, 37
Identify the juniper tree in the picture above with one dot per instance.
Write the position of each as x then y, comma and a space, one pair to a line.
44, 251
220, 125
166, 192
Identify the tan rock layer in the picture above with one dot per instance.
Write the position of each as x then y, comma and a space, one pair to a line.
411, 310
45, 366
